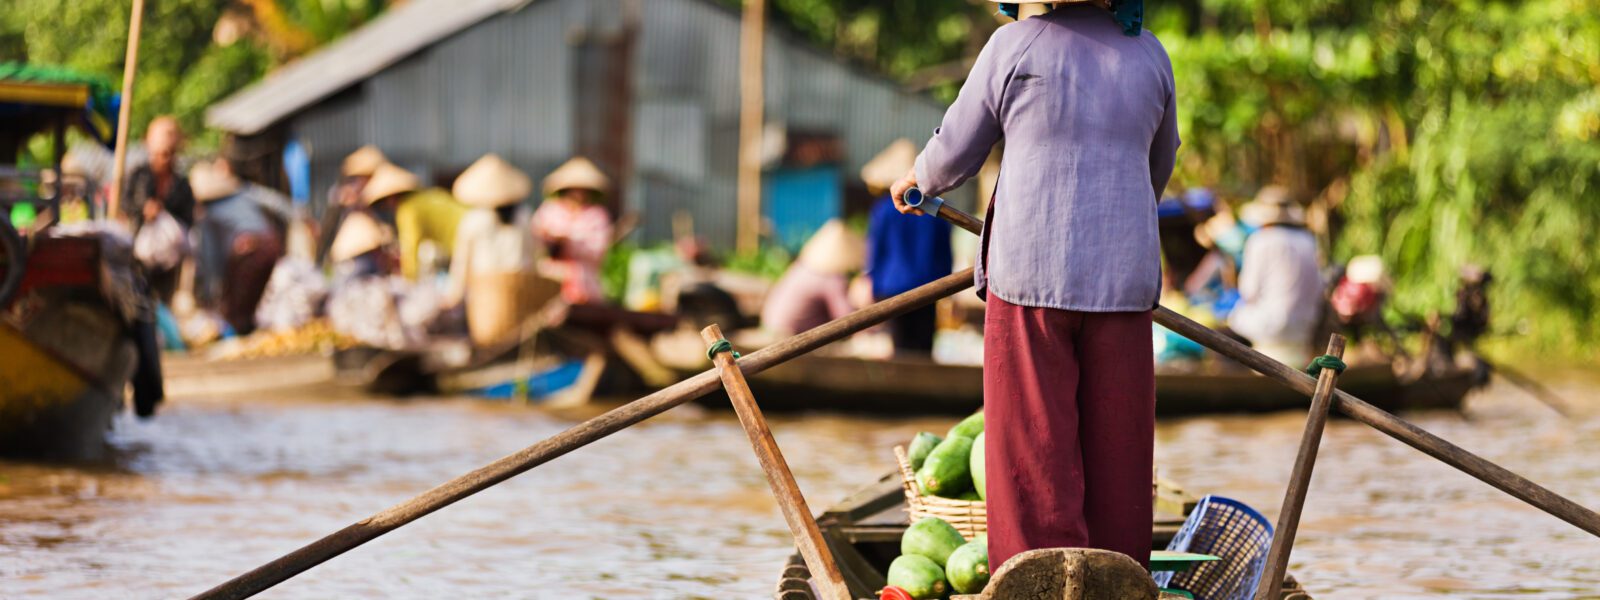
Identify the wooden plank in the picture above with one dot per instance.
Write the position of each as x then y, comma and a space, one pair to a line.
807, 536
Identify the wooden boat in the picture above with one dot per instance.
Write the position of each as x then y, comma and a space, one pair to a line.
901, 386
197, 376
863, 531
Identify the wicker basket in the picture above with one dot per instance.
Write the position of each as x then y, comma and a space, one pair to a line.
969, 517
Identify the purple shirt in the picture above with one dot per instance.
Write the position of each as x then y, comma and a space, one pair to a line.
1091, 133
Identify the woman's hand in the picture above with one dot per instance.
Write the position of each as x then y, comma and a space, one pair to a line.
898, 192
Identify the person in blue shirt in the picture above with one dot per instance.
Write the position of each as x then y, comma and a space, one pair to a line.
903, 251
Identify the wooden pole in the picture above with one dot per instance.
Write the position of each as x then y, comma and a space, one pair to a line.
807, 536
265, 576
752, 102
1411, 435
119, 161
1294, 498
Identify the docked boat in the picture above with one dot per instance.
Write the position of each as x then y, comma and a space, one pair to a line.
863, 532
906, 386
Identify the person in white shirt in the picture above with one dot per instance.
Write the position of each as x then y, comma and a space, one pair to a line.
1280, 282
495, 259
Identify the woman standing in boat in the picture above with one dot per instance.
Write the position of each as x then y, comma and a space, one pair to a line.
1070, 265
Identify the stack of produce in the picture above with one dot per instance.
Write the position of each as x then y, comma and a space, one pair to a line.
314, 337
935, 561
951, 467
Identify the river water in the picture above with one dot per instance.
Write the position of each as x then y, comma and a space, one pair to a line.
677, 508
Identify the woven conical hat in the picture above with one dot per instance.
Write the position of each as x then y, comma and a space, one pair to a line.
389, 180
834, 250
890, 165
359, 235
210, 181
363, 162
492, 182
1272, 206
577, 173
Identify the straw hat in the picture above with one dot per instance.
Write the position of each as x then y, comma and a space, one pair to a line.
1272, 206
492, 182
577, 173
834, 250
359, 235
363, 162
211, 181
1366, 268
388, 180
890, 165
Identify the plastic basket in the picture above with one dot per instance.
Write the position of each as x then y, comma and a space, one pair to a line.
1232, 531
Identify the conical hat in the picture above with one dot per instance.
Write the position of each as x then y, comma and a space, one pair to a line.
1272, 206
890, 165
359, 235
363, 162
1367, 268
210, 181
576, 173
834, 250
492, 182
388, 180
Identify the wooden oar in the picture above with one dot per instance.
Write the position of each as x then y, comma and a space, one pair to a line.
119, 159
1294, 499
1416, 437
807, 536
1530, 385
265, 576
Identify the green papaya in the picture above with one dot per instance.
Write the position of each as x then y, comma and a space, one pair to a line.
918, 576
968, 427
948, 470
975, 464
968, 567
931, 537
921, 446
970, 496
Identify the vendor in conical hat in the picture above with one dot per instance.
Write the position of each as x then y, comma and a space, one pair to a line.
419, 215
367, 297
345, 194
1280, 280
493, 267
903, 251
1070, 266
816, 287
239, 243
575, 228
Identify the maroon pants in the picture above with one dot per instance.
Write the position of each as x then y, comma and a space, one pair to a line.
1069, 405
246, 282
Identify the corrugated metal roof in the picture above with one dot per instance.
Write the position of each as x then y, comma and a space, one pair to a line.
396, 34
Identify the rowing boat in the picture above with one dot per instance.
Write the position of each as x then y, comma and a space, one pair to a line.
863, 531
919, 386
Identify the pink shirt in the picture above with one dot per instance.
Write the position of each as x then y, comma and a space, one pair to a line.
803, 299
587, 231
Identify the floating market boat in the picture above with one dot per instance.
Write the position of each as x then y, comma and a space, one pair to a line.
863, 532
199, 376
73, 312
910, 386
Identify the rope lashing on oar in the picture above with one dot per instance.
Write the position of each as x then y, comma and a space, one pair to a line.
718, 347
1326, 361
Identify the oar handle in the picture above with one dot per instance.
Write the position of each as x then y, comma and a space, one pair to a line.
936, 207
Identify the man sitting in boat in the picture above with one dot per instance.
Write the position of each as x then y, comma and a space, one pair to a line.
345, 195
239, 244
493, 267
816, 288
903, 253
1280, 283
574, 228
419, 216
1070, 268
367, 300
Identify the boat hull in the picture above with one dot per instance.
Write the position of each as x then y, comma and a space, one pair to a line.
48, 407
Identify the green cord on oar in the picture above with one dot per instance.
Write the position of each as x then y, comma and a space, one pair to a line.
718, 347
1326, 361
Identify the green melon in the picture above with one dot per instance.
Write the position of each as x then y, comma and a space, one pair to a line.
918, 576
975, 465
921, 446
948, 470
968, 567
931, 537
968, 427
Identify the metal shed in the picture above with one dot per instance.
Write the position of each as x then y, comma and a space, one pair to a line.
646, 88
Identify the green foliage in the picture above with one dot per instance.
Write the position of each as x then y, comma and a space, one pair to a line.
769, 262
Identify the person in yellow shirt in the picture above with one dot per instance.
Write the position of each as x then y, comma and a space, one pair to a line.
418, 215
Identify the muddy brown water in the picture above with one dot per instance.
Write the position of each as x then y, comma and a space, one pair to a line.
677, 508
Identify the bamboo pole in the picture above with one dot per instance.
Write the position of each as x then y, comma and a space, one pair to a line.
119, 161
807, 537
265, 576
752, 103
1400, 429
1294, 498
